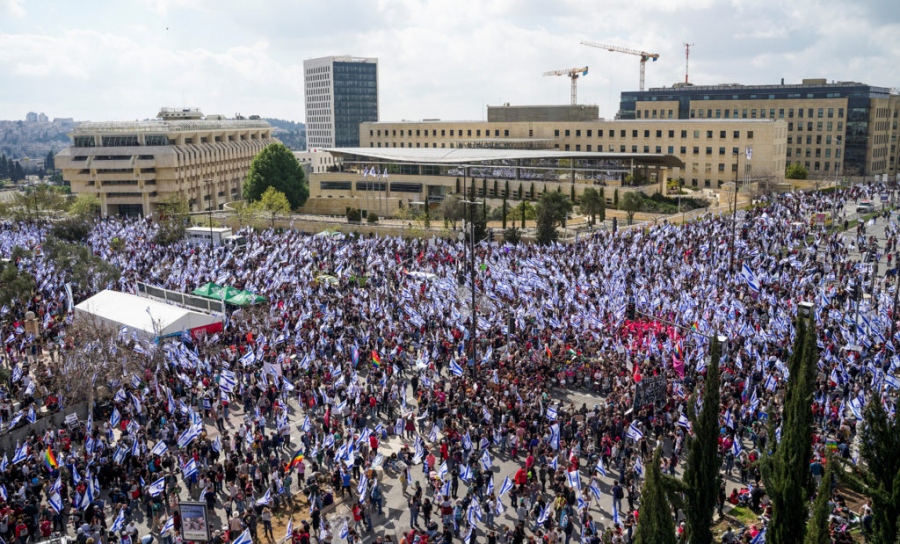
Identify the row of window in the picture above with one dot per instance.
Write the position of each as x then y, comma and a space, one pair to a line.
817, 153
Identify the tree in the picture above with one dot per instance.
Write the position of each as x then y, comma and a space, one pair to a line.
631, 204
49, 162
275, 166
591, 204
512, 235
87, 272
36, 202
525, 207
531, 192
453, 209
272, 203
506, 190
15, 285
877, 475
819, 523
551, 212
85, 206
786, 470
173, 219
503, 213
616, 198
701, 471
655, 525
244, 212
795, 170
496, 190
458, 186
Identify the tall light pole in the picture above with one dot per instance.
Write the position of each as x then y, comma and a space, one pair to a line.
737, 160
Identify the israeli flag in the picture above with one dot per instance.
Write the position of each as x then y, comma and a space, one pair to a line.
189, 469
551, 413
168, 526
363, 484
634, 432
486, 460
446, 489
574, 480
245, 536
615, 515
891, 381
467, 441
498, 507
600, 468
433, 436
683, 421
32, 417
345, 531
398, 426
466, 473
750, 278
159, 449
21, 454
442, 470
736, 448
595, 490
639, 466
760, 537
119, 523
544, 515
217, 444
554, 464
265, 499
189, 435
554, 436
3, 494
455, 369
54, 501
57, 485
506, 487
728, 420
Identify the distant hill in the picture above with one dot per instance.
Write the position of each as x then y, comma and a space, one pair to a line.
20, 139
291, 134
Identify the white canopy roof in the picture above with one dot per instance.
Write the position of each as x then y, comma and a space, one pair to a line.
148, 318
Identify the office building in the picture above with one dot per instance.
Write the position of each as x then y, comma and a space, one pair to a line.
843, 128
133, 166
341, 93
713, 151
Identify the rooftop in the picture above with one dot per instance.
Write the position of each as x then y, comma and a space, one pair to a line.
432, 155
161, 126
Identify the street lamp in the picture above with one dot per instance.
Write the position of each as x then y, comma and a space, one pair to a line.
737, 160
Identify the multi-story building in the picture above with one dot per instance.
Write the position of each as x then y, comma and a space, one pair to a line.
844, 128
134, 166
713, 150
341, 93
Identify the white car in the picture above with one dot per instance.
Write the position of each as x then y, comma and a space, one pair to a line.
865, 206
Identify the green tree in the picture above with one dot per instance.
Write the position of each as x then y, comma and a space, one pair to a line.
795, 170
173, 219
819, 523
15, 285
551, 212
453, 210
525, 207
272, 203
244, 212
504, 211
458, 186
531, 192
631, 204
616, 198
275, 166
85, 206
701, 470
86, 271
512, 235
496, 190
656, 525
877, 475
591, 205
49, 162
36, 202
572, 194
506, 189
786, 470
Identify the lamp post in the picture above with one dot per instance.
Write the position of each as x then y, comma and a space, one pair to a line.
737, 160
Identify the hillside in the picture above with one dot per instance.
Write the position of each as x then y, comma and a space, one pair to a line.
292, 134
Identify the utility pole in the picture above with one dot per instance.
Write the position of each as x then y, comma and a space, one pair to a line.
737, 160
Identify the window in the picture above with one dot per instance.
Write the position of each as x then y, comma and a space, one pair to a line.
556, 133
588, 147
709, 150
696, 134
646, 134
749, 134
791, 113
722, 134
506, 133
567, 133
659, 134
737, 134
682, 150
600, 133
622, 133
670, 150
451, 132
721, 167
578, 133
646, 149
634, 134
721, 151
478, 133
633, 149
709, 134
588, 133
671, 134
417, 133
577, 147
684, 134
469, 132
840, 113
781, 113
696, 150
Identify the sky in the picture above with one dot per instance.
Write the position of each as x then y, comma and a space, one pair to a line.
103, 60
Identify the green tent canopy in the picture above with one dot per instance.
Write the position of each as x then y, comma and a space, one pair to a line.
231, 295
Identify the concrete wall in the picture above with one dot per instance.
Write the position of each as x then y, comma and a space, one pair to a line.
56, 421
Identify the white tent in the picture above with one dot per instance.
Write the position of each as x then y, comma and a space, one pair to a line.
147, 318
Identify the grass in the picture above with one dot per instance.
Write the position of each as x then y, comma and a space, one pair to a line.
744, 515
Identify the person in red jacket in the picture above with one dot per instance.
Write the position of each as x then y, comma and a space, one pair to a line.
521, 477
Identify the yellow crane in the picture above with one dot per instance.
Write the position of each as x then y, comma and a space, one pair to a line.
617, 49
574, 74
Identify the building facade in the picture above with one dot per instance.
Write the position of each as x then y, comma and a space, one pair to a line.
713, 150
833, 129
341, 93
134, 166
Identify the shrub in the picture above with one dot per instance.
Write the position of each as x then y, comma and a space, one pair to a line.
373, 218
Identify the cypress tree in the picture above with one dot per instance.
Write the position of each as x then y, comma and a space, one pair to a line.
458, 191
786, 470
616, 199
496, 194
655, 524
504, 211
877, 475
523, 213
818, 531
506, 189
531, 192
701, 472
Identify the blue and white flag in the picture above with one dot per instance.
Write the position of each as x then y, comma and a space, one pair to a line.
465, 474
760, 537
159, 449
265, 499
736, 448
245, 537
21, 454
544, 515
55, 502
506, 487
486, 460
189, 469
595, 490
119, 522
168, 526
157, 487
600, 468
639, 466
551, 413
189, 435
574, 480
634, 432
455, 369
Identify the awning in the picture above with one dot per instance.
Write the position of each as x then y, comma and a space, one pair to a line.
231, 295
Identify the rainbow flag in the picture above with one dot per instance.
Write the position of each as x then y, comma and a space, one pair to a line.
294, 461
549, 353
50, 459
376, 360
679, 352
695, 326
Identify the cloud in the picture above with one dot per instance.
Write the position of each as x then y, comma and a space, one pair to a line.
15, 8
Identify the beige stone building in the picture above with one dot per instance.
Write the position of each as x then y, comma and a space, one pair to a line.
833, 129
713, 150
133, 166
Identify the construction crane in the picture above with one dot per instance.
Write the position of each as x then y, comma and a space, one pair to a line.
616, 49
574, 74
